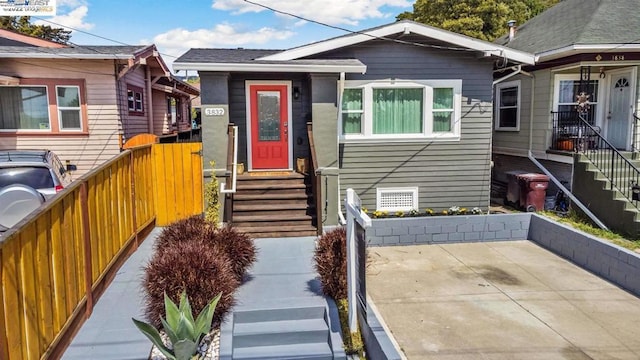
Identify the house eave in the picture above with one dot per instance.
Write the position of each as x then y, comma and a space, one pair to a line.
44, 55
580, 49
258, 67
405, 27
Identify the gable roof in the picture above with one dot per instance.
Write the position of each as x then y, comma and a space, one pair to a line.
574, 26
250, 60
9, 37
73, 52
406, 27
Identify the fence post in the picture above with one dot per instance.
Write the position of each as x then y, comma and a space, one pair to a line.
86, 234
134, 215
355, 218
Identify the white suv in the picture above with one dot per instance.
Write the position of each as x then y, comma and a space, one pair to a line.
27, 179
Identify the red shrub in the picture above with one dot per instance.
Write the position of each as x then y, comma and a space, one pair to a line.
331, 263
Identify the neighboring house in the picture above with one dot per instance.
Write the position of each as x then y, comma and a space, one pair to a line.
401, 113
83, 102
597, 41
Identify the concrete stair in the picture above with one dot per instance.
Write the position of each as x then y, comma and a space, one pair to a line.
592, 188
274, 206
285, 333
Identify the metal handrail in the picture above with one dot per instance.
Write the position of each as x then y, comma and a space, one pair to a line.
315, 177
634, 142
604, 156
233, 135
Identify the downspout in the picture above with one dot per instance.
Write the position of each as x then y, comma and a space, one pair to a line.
149, 101
342, 220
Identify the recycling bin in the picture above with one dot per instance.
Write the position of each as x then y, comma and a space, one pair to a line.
533, 190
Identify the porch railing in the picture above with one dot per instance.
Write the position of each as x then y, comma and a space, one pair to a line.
621, 173
635, 143
232, 172
316, 183
571, 133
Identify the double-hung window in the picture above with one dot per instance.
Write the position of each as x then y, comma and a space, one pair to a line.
135, 100
69, 111
400, 109
568, 88
507, 114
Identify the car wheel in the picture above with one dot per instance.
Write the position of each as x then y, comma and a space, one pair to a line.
16, 202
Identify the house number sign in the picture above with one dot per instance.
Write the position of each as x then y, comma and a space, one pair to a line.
214, 111
617, 57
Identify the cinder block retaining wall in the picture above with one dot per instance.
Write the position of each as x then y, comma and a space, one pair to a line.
607, 260
448, 229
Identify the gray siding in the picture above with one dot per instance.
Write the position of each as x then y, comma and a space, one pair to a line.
518, 141
446, 173
300, 110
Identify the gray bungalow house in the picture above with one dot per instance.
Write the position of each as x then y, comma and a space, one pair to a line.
402, 113
581, 46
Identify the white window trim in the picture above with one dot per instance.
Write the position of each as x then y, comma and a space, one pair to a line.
46, 88
509, 84
427, 128
414, 192
60, 108
576, 77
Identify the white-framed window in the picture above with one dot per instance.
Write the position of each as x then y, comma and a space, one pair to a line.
24, 108
507, 114
69, 111
135, 100
567, 87
397, 199
401, 110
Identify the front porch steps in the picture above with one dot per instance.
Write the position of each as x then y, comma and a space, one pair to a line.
609, 205
274, 206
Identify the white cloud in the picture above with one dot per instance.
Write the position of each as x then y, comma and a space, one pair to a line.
177, 41
333, 12
73, 19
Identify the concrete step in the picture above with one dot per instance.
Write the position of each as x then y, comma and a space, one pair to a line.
312, 351
280, 314
287, 332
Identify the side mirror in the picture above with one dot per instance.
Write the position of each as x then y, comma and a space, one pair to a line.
70, 167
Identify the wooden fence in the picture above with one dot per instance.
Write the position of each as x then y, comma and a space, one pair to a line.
56, 262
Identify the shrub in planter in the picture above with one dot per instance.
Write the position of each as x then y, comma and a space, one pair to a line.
194, 227
331, 263
238, 246
198, 268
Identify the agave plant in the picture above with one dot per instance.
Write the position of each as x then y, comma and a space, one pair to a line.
183, 331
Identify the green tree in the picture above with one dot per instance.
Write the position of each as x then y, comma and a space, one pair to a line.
23, 25
481, 19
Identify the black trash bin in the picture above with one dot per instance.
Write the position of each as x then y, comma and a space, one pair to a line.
533, 190
512, 198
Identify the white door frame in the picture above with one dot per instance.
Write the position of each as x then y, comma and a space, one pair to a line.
247, 85
633, 76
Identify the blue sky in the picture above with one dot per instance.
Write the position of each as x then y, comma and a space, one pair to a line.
176, 26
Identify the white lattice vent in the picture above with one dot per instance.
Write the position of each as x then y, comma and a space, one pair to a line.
397, 199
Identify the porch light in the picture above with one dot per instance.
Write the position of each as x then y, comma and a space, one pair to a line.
296, 93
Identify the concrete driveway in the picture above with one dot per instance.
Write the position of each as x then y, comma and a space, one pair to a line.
501, 300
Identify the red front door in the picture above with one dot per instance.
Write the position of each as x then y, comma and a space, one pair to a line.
269, 126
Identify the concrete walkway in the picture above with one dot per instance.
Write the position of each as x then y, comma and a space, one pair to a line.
501, 300
109, 334
283, 276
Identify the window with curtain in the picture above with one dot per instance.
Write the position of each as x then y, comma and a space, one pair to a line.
352, 111
508, 106
442, 109
69, 112
401, 109
569, 89
397, 111
24, 108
